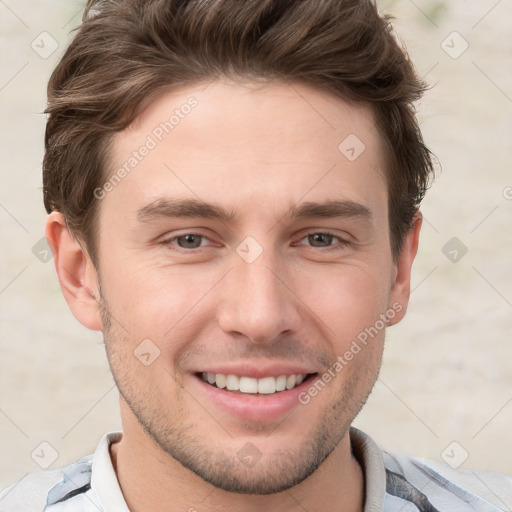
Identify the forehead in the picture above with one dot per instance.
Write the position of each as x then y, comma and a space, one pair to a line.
253, 146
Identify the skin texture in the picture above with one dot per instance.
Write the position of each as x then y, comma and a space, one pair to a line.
257, 151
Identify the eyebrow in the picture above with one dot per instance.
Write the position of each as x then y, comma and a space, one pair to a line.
179, 208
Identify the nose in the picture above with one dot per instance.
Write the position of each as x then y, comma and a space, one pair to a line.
258, 301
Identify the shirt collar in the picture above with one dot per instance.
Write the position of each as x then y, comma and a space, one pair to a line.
369, 456
104, 480
106, 486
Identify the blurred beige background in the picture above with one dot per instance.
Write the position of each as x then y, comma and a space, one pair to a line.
445, 390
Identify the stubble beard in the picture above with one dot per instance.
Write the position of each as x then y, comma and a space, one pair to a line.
174, 433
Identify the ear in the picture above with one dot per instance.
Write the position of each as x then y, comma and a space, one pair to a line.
401, 285
77, 275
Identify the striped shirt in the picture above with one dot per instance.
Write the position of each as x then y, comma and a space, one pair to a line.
393, 483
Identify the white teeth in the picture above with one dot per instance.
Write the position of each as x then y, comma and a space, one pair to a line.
232, 383
264, 386
220, 381
267, 385
248, 385
290, 381
281, 383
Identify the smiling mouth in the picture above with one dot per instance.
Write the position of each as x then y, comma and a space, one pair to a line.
253, 386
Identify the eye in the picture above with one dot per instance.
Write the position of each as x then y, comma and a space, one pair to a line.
323, 239
186, 241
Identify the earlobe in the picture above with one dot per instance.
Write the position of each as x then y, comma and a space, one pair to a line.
77, 276
401, 285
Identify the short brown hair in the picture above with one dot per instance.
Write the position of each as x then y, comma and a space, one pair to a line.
126, 52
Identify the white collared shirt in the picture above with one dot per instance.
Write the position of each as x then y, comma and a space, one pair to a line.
393, 483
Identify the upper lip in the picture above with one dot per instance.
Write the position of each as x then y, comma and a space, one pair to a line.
258, 372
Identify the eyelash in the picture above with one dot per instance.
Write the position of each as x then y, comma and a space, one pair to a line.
342, 243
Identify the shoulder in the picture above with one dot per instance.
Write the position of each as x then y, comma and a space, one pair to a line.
69, 488
33, 492
445, 487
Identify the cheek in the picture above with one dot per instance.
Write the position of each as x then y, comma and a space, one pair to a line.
157, 301
347, 299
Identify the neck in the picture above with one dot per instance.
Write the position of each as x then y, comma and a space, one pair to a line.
151, 480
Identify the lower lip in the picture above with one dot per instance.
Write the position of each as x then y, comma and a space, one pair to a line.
256, 408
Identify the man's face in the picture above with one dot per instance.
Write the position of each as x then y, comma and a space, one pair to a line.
274, 289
